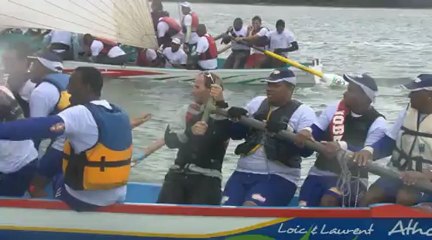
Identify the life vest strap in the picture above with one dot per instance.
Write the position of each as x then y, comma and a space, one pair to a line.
415, 133
103, 163
194, 169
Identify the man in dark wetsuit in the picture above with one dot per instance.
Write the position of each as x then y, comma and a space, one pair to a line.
195, 177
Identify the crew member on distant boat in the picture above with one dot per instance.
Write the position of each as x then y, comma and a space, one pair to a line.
280, 41
168, 28
157, 12
104, 51
255, 34
98, 147
240, 52
351, 124
15, 66
18, 159
195, 177
48, 98
205, 54
268, 170
409, 142
149, 58
174, 55
189, 24
60, 42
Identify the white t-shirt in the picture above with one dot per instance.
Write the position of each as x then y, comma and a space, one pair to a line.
26, 90
376, 132
14, 155
393, 132
258, 163
151, 55
162, 29
263, 32
187, 21
282, 40
82, 132
43, 101
179, 57
202, 47
97, 46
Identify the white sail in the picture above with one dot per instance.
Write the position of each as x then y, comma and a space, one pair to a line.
125, 21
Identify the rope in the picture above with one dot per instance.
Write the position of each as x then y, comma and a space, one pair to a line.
345, 181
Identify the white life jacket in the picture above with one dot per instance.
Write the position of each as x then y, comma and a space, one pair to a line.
413, 149
241, 33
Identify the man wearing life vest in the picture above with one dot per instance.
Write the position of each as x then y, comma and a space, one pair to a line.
268, 170
409, 142
351, 124
240, 52
60, 42
195, 177
189, 24
280, 41
18, 159
49, 97
168, 28
98, 148
157, 12
205, 54
104, 51
255, 34
15, 68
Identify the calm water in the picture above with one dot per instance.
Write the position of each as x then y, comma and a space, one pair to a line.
392, 45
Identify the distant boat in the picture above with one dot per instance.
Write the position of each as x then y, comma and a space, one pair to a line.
125, 21
229, 76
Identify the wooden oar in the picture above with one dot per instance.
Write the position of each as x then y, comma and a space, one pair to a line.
316, 146
328, 78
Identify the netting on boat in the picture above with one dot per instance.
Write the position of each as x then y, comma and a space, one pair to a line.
347, 184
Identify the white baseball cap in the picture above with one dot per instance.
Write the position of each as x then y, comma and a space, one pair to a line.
185, 4
176, 41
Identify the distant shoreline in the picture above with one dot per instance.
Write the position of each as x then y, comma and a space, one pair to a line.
394, 4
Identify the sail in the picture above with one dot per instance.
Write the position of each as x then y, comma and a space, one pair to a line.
125, 21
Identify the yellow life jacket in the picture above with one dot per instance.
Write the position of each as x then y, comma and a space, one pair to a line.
60, 81
106, 165
413, 149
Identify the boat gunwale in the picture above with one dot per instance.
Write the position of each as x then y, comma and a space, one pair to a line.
378, 211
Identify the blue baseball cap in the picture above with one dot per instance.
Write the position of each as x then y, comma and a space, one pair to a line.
282, 75
365, 82
422, 82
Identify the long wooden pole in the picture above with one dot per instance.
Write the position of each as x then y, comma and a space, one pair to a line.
328, 78
316, 146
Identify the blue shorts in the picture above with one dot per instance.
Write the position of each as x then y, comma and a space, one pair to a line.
262, 189
62, 194
17, 183
391, 188
315, 187
50, 164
